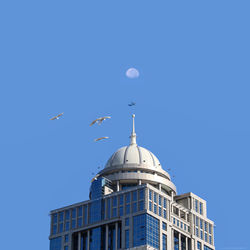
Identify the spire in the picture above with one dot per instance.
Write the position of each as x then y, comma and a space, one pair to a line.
133, 134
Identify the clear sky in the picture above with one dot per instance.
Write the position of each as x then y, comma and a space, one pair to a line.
192, 104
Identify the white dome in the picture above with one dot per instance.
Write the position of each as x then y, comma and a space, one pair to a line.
133, 154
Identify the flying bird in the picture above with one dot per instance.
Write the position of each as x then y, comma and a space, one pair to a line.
100, 120
101, 138
131, 104
56, 117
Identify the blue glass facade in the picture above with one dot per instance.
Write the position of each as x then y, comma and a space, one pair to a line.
56, 243
146, 231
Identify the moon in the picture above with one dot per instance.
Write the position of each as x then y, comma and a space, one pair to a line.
132, 73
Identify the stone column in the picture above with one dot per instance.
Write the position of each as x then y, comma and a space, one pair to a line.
79, 241
180, 241
186, 243
116, 235
107, 237
88, 240
118, 186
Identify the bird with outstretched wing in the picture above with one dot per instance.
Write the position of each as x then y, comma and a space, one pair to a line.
100, 120
56, 117
101, 138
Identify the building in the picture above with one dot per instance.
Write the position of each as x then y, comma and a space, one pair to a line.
133, 205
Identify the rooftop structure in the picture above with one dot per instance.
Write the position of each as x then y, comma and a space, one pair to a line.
133, 205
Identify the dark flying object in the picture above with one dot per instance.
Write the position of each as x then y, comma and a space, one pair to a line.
131, 104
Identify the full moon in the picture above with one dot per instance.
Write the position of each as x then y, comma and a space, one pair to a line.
132, 73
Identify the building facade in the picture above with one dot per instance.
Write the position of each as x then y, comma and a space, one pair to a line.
133, 204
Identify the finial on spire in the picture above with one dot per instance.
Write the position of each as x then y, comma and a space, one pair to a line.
133, 134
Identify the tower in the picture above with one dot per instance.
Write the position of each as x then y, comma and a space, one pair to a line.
133, 204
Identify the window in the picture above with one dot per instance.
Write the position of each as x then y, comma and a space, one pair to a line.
210, 228
54, 229
205, 226
165, 203
79, 210
73, 211
121, 200
207, 248
141, 194
210, 239
159, 209
114, 212
134, 196
174, 220
181, 225
134, 207
67, 215
60, 227
127, 238
206, 237
56, 243
127, 222
164, 242
67, 226
196, 205
155, 197
198, 245
54, 218
61, 216
150, 195
197, 232
114, 201
160, 198
127, 209
79, 222
150, 206
165, 214
201, 223
127, 197
73, 224
201, 233
176, 240
185, 227
141, 205
164, 226
201, 208
121, 211
66, 238
155, 208
178, 223
197, 221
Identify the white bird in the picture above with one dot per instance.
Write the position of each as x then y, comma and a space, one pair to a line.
100, 120
101, 138
56, 117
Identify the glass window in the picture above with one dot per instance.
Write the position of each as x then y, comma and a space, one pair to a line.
73, 213
54, 218
210, 228
141, 205
108, 208
207, 248
114, 212
95, 211
165, 203
134, 196
127, 238
178, 223
61, 216
196, 205
66, 238
201, 234
79, 211
164, 226
160, 200
176, 240
201, 208
127, 209
185, 227
56, 243
127, 197
197, 221
79, 222
174, 220
121, 211
134, 207
164, 242
165, 214
150, 195
155, 208
67, 215
159, 210
127, 222
150, 206
95, 240
210, 239
121, 200
198, 245
67, 226
54, 229
85, 215
155, 197
141, 194
60, 227
197, 232
73, 224
206, 237
115, 201
205, 226
201, 223
181, 225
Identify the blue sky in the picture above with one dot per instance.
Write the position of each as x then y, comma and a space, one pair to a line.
192, 107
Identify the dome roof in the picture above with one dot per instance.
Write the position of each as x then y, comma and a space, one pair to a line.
135, 155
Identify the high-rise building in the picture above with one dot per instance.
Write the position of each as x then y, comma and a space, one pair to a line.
133, 204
